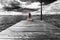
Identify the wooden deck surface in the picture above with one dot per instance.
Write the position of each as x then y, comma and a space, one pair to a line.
26, 27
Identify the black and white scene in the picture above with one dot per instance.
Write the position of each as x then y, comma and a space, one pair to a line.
29, 19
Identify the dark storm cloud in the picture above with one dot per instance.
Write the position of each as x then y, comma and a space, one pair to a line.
28, 0
45, 1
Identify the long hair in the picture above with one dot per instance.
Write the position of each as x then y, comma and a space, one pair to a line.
30, 15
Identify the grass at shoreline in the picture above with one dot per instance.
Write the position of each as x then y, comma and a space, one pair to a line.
9, 20
51, 19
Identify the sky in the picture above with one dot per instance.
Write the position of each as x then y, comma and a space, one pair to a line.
47, 9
